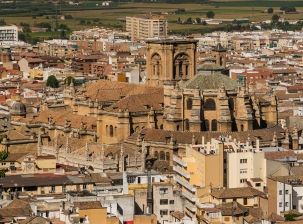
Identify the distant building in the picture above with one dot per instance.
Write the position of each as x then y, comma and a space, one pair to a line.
107, 3
8, 33
146, 26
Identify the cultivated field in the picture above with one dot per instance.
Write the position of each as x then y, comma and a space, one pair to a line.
108, 16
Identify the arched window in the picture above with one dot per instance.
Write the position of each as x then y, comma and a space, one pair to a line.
111, 131
177, 127
162, 155
189, 104
210, 104
156, 154
186, 124
115, 132
206, 125
214, 125
106, 130
242, 127
167, 156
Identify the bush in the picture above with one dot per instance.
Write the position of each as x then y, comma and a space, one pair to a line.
210, 14
290, 217
52, 81
270, 10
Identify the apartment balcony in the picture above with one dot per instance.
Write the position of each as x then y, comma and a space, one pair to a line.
179, 161
189, 196
181, 172
191, 207
185, 184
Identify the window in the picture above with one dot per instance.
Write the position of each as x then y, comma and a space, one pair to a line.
64, 188
244, 201
162, 155
206, 125
3, 164
164, 212
156, 154
286, 204
139, 180
224, 160
84, 186
224, 170
163, 201
163, 191
186, 125
214, 125
280, 204
243, 160
189, 104
111, 131
280, 192
243, 170
242, 181
53, 189
167, 155
286, 191
171, 202
223, 200
258, 184
171, 211
210, 105
12, 163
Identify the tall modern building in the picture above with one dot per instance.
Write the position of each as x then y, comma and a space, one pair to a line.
146, 26
8, 33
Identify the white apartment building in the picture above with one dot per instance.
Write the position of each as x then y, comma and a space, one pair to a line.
146, 26
9, 33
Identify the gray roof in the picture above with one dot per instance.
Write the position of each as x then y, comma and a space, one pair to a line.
211, 81
219, 48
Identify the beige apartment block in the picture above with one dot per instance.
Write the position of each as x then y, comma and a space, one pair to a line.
146, 26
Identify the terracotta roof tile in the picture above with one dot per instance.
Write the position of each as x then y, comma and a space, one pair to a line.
240, 192
279, 154
88, 205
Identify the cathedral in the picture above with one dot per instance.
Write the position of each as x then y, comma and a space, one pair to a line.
179, 104
203, 99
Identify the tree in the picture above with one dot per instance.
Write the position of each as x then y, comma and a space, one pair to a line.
52, 81
2, 22
68, 17
189, 20
21, 37
198, 20
210, 14
82, 22
69, 80
179, 19
204, 23
3, 155
275, 18
270, 10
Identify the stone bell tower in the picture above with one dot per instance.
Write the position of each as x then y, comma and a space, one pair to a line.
219, 53
170, 60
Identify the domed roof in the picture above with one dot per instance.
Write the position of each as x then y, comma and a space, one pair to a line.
210, 67
18, 108
210, 81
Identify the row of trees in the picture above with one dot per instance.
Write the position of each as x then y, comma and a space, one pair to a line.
53, 82
284, 8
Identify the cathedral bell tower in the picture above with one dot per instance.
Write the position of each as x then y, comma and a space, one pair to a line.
170, 60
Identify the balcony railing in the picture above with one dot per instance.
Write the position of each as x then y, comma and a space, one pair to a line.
181, 172
180, 161
189, 196
191, 207
185, 184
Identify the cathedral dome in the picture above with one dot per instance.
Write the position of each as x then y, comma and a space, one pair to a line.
210, 67
18, 108
210, 81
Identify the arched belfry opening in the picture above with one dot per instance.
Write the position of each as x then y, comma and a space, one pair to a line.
156, 65
181, 66
170, 60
